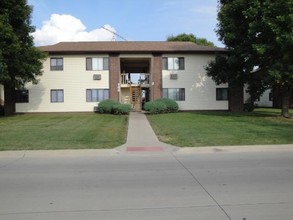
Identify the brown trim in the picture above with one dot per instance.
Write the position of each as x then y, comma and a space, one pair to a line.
58, 53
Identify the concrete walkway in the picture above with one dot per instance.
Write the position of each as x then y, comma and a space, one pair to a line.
141, 136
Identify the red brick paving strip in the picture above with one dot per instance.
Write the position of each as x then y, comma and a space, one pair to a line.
151, 149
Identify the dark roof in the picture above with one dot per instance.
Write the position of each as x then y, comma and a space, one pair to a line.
128, 47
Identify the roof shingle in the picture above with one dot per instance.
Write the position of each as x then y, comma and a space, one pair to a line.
129, 47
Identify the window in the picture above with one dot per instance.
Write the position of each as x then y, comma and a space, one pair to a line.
57, 95
94, 63
173, 63
221, 94
21, 96
270, 96
56, 64
175, 94
97, 95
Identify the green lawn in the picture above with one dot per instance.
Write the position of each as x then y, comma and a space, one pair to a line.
264, 126
62, 131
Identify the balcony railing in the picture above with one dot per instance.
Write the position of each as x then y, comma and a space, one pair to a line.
142, 79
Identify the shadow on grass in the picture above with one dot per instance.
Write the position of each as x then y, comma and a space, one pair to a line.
258, 112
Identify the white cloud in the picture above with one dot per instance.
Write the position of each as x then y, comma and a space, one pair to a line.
68, 28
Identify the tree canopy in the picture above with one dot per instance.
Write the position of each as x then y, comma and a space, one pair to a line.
259, 36
190, 38
20, 61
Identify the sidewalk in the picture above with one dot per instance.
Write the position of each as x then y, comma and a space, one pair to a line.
141, 136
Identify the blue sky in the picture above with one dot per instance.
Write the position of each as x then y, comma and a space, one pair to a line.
135, 20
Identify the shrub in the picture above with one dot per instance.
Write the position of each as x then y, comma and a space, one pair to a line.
155, 107
106, 106
112, 107
249, 107
171, 104
121, 109
1, 110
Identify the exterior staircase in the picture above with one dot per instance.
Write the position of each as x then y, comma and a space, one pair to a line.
135, 92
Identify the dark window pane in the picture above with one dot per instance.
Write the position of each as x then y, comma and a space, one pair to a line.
105, 63
89, 63
106, 94
165, 93
181, 63
221, 94
60, 96
53, 96
57, 95
165, 63
88, 95
182, 94
97, 95
56, 64
175, 94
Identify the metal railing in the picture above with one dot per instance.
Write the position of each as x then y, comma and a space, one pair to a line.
143, 79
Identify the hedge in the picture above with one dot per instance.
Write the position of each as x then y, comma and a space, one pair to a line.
106, 106
162, 105
112, 107
121, 109
171, 104
155, 107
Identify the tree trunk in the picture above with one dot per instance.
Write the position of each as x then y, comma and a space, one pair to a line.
286, 97
9, 100
236, 100
277, 99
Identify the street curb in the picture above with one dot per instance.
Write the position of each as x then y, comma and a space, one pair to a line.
235, 149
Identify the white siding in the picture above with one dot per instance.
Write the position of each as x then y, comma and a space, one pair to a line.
74, 80
200, 90
264, 99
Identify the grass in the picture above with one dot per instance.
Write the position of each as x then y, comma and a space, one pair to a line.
62, 131
192, 129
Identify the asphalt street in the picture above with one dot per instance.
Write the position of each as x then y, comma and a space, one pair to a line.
97, 184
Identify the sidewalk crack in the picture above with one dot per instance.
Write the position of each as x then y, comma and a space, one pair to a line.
202, 186
14, 161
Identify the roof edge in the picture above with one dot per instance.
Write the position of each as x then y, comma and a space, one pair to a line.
129, 47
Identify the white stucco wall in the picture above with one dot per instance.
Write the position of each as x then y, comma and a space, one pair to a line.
200, 90
74, 80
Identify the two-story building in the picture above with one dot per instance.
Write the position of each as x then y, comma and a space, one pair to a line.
78, 75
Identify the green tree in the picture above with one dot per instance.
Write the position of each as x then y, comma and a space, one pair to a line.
190, 38
20, 61
259, 37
